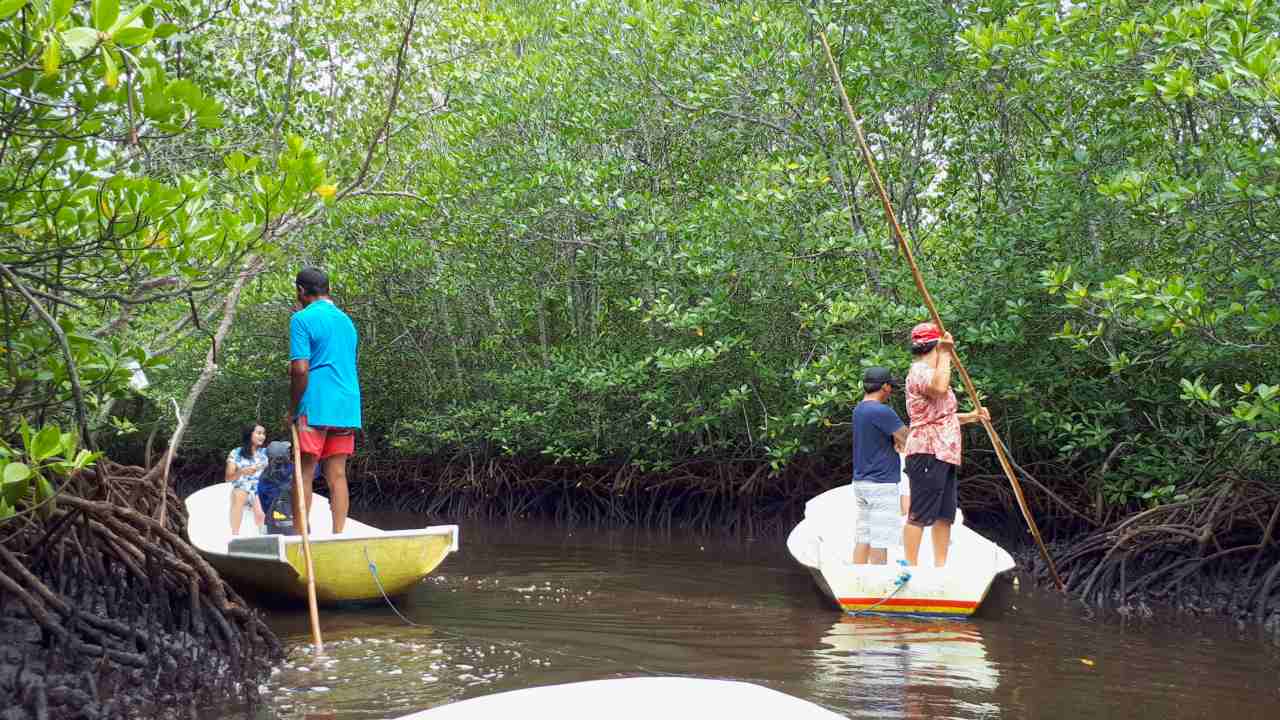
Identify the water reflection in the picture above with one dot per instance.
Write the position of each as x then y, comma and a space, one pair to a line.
933, 651
543, 607
889, 667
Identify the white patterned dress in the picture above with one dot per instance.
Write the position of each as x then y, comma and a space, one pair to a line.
247, 482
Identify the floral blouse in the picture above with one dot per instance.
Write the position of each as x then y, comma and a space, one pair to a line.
247, 482
935, 428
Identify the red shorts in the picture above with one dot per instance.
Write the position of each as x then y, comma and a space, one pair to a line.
324, 442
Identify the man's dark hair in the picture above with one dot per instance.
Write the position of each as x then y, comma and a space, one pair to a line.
870, 387
313, 281
924, 348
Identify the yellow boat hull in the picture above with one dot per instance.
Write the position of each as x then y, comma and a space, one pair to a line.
343, 574
273, 566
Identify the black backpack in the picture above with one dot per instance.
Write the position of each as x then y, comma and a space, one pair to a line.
275, 490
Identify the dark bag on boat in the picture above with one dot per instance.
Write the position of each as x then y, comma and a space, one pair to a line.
275, 489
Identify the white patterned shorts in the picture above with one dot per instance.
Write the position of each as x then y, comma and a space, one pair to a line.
878, 514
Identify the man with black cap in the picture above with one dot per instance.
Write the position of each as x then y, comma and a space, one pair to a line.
877, 433
324, 397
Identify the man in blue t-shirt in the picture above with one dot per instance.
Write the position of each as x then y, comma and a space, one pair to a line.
324, 389
877, 433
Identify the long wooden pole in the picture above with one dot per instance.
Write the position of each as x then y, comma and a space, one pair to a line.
933, 310
305, 526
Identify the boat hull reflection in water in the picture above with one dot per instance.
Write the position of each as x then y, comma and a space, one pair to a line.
908, 667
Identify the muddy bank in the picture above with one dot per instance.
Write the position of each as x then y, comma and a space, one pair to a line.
107, 612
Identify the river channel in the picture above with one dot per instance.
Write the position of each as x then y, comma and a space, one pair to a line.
527, 606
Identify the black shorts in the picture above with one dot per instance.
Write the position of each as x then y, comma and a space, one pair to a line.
933, 490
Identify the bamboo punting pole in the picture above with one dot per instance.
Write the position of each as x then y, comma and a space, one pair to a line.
305, 527
933, 310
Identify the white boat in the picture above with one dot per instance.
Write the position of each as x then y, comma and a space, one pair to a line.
823, 542
273, 565
643, 698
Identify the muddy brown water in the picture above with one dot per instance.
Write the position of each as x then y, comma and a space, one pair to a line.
527, 606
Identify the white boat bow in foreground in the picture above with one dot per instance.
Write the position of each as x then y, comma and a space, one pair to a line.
651, 698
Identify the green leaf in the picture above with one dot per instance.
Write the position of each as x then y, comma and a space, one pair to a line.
24, 430
128, 20
235, 162
52, 56
6, 510
44, 489
9, 7
164, 30
59, 9
47, 443
105, 13
84, 459
133, 35
111, 76
80, 39
16, 472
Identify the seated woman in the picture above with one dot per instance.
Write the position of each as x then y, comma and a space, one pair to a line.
244, 466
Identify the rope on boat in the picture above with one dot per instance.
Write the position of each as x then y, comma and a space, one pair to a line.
900, 583
373, 570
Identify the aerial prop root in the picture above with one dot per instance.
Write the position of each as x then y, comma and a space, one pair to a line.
110, 606
1218, 546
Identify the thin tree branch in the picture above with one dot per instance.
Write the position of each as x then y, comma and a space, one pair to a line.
73, 375
253, 265
392, 101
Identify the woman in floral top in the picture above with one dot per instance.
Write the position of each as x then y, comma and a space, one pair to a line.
244, 466
933, 447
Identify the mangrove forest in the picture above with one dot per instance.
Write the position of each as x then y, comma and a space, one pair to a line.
621, 263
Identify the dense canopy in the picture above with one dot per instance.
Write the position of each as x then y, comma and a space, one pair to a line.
638, 234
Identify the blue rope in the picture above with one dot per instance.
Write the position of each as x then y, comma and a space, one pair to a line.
900, 583
373, 570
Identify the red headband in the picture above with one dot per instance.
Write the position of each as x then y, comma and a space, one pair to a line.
925, 332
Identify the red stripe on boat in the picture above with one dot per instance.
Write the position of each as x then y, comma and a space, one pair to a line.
910, 601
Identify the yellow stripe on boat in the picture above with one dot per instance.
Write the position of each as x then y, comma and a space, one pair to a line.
908, 606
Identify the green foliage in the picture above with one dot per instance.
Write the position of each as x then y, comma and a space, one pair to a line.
637, 232
121, 223
29, 473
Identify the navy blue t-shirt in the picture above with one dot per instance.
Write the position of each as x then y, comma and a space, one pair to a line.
874, 459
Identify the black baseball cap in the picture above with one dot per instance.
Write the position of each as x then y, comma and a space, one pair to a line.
879, 376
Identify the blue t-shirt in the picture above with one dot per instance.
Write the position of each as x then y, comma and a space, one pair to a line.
874, 458
325, 336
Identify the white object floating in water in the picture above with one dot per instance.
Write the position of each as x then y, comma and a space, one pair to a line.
634, 699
